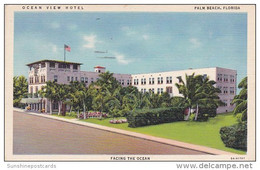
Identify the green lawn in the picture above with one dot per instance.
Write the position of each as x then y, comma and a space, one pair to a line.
67, 116
200, 133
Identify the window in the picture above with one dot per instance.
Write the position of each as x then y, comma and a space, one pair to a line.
55, 78
31, 90
161, 80
152, 80
161, 90
75, 66
36, 79
232, 78
225, 78
92, 80
36, 89
72, 78
42, 79
144, 80
158, 90
152, 90
123, 82
68, 78
169, 89
82, 79
168, 80
76, 78
86, 80
225, 90
128, 82
219, 77
144, 90
52, 64
64, 65
232, 90
158, 80
42, 65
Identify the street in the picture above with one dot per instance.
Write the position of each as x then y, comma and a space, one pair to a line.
39, 135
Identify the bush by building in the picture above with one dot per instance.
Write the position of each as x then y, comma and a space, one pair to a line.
235, 136
205, 113
146, 117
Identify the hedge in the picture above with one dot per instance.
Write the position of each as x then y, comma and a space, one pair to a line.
235, 136
146, 117
205, 113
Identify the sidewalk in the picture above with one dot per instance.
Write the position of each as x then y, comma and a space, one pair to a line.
134, 134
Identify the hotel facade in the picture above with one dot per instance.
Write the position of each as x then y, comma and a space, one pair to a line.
64, 72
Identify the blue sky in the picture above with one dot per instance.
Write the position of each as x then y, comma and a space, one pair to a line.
136, 42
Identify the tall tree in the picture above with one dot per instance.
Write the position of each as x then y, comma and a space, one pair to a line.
197, 91
61, 95
240, 100
20, 89
49, 91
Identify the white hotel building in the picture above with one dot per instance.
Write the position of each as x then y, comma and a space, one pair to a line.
64, 72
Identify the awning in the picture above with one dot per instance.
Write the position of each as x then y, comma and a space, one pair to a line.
31, 100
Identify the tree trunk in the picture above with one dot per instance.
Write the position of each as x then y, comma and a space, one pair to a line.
70, 110
188, 116
59, 103
84, 111
78, 114
50, 107
197, 112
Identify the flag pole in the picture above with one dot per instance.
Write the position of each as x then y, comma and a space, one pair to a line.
64, 54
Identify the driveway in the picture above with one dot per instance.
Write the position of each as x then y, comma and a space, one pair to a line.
39, 135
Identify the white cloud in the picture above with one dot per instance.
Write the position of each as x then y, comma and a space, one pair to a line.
145, 37
121, 59
55, 25
90, 41
195, 42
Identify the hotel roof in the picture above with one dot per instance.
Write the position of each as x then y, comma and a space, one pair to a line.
99, 67
56, 61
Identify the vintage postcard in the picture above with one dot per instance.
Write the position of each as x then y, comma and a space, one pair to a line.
130, 83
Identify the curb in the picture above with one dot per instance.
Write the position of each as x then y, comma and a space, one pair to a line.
175, 143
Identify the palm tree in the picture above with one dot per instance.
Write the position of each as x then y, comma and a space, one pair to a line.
107, 81
61, 94
49, 92
197, 90
188, 90
241, 100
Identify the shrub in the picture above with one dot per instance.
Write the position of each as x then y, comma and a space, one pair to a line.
209, 111
146, 117
235, 136
205, 113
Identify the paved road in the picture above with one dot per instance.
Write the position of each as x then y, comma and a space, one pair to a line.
39, 135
